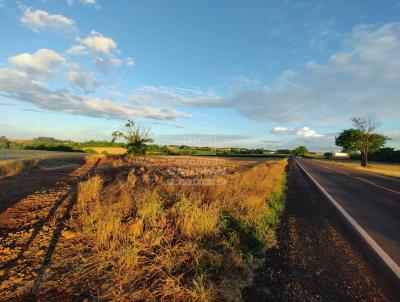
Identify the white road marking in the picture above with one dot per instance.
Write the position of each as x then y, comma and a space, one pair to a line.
360, 179
367, 238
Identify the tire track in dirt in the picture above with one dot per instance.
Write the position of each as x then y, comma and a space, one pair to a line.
31, 229
314, 259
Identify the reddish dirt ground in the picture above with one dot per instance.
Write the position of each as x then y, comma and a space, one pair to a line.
315, 259
34, 207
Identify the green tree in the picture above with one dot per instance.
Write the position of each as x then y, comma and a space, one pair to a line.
4, 143
136, 136
361, 138
284, 151
300, 151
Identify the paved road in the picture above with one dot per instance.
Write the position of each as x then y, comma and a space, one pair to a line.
372, 200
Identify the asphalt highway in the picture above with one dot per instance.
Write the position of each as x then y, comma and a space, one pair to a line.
371, 199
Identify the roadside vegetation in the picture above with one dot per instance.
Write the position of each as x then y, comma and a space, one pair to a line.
149, 238
389, 169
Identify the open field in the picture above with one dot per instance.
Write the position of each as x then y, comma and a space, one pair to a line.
153, 228
108, 150
389, 169
10, 155
13, 162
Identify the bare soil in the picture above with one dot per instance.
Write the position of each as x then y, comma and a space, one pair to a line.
34, 207
314, 259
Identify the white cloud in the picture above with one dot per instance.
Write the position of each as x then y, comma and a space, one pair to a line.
17, 85
129, 62
282, 130
157, 95
303, 132
39, 64
95, 43
307, 132
39, 20
81, 79
78, 50
103, 64
361, 79
87, 2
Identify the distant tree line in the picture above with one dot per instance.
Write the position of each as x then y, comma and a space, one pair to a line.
53, 144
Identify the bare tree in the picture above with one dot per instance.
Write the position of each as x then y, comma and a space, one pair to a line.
136, 136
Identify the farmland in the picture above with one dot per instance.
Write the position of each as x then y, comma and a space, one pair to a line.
107, 150
7, 155
140, 228
13, 162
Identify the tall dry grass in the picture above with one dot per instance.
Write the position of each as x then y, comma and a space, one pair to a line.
160, 242
15, 167
389, 169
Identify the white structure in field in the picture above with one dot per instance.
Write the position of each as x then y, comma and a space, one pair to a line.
340, 155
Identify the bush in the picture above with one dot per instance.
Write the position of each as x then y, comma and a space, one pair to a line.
4, 143
91, 151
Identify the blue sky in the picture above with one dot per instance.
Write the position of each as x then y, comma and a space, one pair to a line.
223, 73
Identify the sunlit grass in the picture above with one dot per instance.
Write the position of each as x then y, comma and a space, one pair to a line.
390, 169
156, 241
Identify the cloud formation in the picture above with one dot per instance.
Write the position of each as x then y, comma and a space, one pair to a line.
173, 96
129, 62
81, 79
17, 85
303, 132
353, 81
104, 63
356, 80
39, 64
40, 20
87, 2
282, 130
307, 132
95, 44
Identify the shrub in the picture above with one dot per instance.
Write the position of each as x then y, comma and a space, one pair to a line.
91, 151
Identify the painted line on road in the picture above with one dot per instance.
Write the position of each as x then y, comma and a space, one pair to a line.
360, 179
395, 269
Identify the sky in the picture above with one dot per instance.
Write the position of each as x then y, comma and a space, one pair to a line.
271, 74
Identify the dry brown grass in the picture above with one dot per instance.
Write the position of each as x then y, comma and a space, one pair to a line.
389, 169
13, 162
14, 167
156, 241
